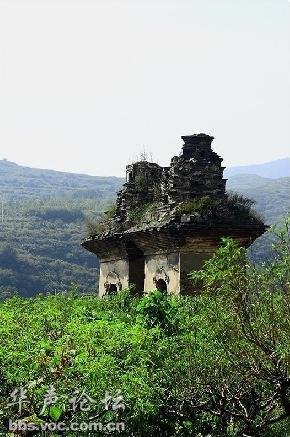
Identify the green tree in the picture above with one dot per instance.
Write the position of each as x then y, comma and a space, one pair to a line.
248, 311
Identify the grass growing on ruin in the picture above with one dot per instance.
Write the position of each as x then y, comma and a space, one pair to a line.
103, 224
232, 207
137, 214
195, 205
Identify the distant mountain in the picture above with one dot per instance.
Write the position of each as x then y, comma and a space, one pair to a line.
272, 196
273, 169
17, 180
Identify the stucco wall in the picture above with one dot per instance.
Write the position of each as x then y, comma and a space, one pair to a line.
173, 268
114, 272
162, 266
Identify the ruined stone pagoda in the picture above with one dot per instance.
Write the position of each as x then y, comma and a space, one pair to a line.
168, 220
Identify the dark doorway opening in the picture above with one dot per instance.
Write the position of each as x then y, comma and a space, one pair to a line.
161, 286
136, 266
112, 289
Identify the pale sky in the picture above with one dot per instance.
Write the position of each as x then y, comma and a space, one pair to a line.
85, 85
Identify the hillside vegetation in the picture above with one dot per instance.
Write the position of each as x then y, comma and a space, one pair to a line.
44, 221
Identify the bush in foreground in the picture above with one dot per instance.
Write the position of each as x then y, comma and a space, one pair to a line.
216, 364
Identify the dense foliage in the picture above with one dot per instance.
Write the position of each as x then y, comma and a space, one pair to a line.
40, 246
213, 364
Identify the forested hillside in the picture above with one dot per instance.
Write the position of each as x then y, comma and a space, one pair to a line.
25, 182
272, 197
44, 217
44, 221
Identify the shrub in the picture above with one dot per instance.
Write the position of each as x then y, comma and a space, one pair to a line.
111, 211
96, 227
242, 206
157, 191
157, 309
141, 183
233, 206
200, 205
247, 308
137, 213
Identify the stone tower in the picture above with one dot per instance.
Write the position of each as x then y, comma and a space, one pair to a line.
168, 221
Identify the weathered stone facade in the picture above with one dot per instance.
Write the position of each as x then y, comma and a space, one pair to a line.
168, 220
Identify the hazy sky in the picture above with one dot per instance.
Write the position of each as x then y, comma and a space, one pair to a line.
85, 85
